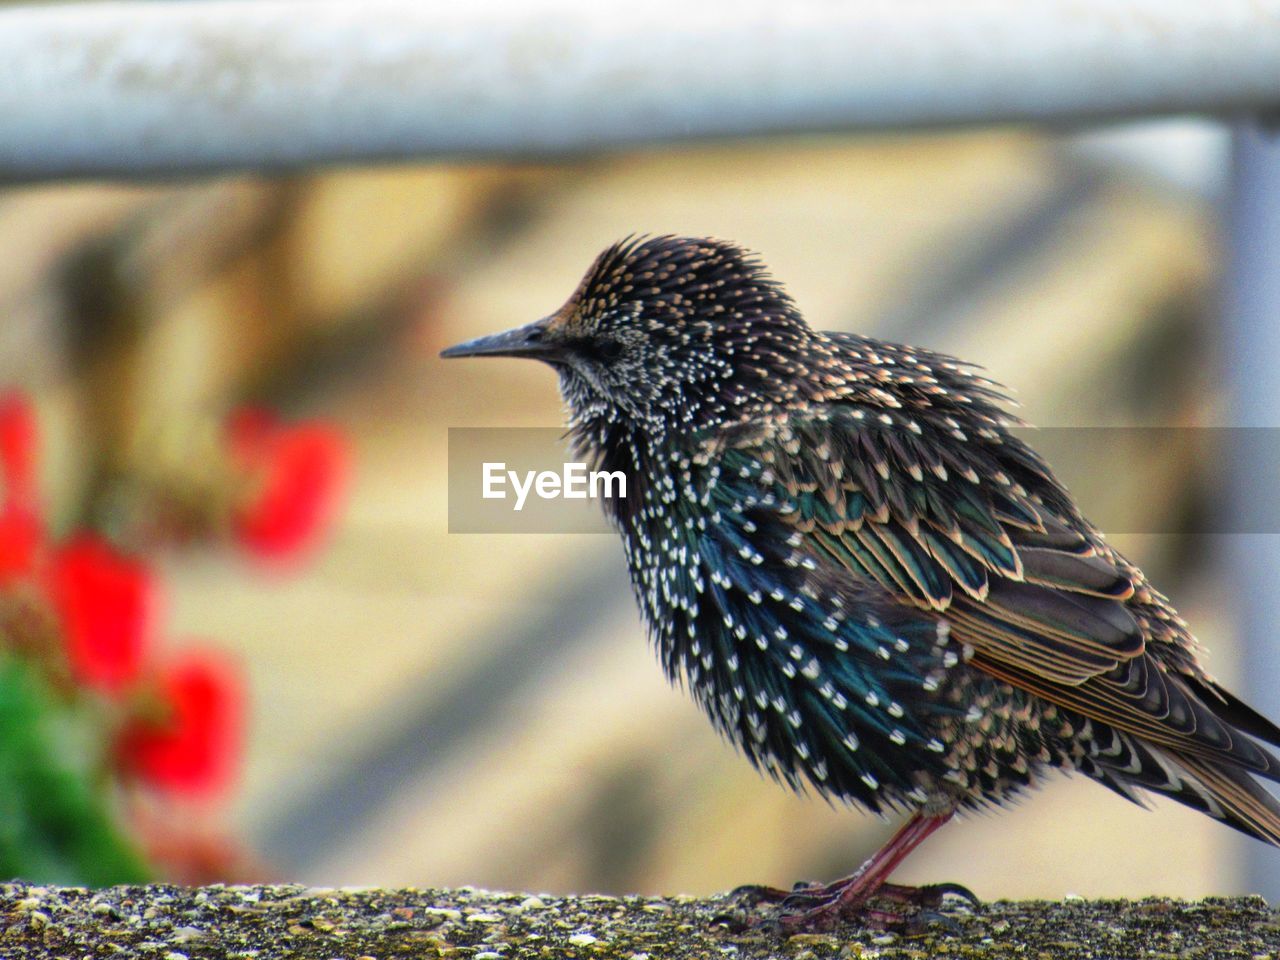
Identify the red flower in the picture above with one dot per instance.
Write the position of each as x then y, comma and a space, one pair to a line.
18, 449
191, 747
106, 602
21, 527
298, 476
21, 534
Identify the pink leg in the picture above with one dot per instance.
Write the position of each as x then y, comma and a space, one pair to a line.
848, 898
884, 861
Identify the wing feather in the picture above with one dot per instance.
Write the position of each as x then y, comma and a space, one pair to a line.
979, 532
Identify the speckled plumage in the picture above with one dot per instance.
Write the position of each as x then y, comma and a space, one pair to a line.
868, 583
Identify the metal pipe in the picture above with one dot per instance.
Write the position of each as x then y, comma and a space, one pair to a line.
139, 89
1252, 321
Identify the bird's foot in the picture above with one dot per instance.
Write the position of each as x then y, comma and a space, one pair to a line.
751, 894
744, 899
927, 897
889, 906
813, 907
864, 898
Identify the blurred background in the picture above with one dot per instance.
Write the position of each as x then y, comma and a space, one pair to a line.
396, 705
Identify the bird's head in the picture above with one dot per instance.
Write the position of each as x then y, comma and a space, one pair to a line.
665, 332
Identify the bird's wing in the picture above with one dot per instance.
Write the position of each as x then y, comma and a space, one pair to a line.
975, 530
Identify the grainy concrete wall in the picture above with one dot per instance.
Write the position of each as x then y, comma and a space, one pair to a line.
256, 923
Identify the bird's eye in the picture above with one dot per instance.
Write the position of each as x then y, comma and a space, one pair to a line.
607, 350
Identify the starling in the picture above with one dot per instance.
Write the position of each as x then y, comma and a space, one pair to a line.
869, 584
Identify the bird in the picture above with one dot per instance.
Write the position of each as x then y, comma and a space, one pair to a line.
870, 584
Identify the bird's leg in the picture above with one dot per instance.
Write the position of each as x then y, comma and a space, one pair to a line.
818, 908
813, 893
871, 876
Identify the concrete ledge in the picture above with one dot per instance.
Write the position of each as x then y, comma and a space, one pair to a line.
173, 923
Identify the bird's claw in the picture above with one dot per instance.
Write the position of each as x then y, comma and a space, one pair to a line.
803, 898
910, 911
754, 893
917, 924
929, 896
735, 921
943, 890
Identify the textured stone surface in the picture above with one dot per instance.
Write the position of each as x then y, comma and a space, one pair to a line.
276, 921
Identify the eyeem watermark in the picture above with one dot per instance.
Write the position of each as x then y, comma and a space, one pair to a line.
573, 482
1127, 480
526, 480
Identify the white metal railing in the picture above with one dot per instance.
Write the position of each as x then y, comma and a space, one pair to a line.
145, 88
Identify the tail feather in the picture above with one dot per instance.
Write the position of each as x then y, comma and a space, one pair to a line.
1130, 766
1221, 790
1245, 804
1235, 711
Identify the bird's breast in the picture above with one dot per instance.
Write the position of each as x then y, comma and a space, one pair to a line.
810, 688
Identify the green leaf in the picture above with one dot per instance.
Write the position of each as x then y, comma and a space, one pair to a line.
55, 822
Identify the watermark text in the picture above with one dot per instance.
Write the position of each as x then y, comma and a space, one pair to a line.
574, 482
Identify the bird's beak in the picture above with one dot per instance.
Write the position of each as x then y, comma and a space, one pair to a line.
528, 341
